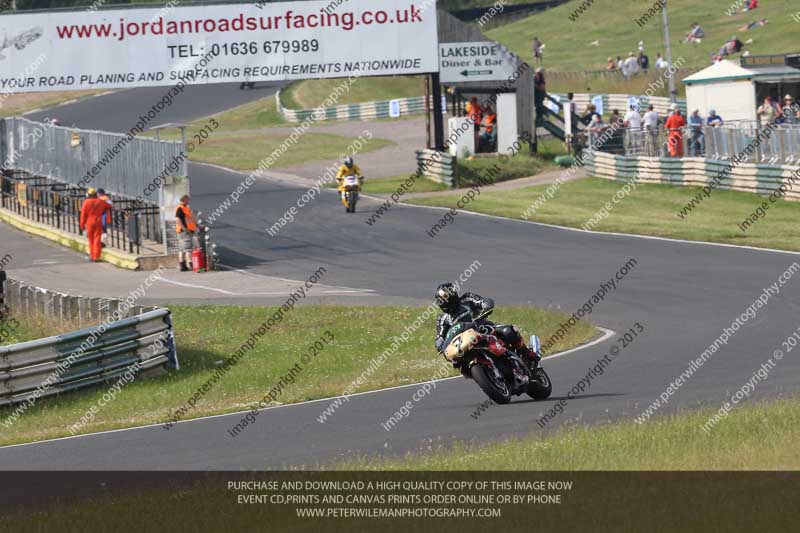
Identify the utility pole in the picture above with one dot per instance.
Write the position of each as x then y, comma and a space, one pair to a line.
673, 93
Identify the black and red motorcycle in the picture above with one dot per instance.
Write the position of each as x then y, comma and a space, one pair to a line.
497, 368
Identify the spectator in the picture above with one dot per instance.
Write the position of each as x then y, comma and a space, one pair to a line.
661, 62
185, 226
754, 24
571, 105
91, 220
631, 66
595, 130
713, 119
751, 5
539, 92
696, 137
733, 46
650, 123
616, 121
589, 114
620, 62
475, 114
488, 140
611, 64
644, 62
767, 113
538, 50
633, 123
695, 35
674, 126
633, 120
790, 110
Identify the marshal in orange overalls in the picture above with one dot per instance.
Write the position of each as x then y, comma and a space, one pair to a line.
92, 212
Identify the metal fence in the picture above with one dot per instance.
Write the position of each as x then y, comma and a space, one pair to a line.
723, 143
58, 205
86, 357
119, 164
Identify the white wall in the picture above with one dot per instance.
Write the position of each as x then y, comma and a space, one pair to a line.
735, 100
506, 122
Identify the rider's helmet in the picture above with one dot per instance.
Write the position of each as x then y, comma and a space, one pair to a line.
348, 162
447, 297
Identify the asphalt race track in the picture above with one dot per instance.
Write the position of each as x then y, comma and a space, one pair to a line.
683, 294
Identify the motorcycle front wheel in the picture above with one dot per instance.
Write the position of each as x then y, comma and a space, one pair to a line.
497, 391
541, 386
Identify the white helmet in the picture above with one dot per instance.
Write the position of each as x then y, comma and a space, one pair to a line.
348, 162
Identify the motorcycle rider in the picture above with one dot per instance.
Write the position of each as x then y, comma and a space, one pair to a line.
471, 307
348, 168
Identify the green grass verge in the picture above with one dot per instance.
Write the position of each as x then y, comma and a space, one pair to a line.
240, 141
390, 185
568, 46
521, 165
245, 150
209, 334
760, 436
18, 103
309, 94
649, 210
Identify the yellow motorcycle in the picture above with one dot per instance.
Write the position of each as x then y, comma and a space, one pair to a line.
349, 189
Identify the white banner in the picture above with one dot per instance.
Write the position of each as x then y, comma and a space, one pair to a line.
216, 43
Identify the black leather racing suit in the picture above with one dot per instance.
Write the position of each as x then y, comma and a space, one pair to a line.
468, 308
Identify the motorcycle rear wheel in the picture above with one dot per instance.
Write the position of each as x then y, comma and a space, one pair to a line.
541, 386
488, 385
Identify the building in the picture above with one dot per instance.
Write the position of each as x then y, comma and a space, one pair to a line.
736, 89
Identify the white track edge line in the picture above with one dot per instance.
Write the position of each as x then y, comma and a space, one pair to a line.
607, 333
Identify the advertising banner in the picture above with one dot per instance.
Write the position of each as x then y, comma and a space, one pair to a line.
216, 43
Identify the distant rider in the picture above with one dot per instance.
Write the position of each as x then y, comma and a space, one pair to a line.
348, 168
471, 307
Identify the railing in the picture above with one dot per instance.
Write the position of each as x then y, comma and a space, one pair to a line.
439, 166
122, 166
128, 340
58, 205
779, 146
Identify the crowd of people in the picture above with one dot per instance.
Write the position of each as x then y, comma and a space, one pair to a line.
640, 133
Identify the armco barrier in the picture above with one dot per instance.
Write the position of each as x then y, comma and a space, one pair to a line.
86, 357
124, 338
363, 111
695, 171
438, 166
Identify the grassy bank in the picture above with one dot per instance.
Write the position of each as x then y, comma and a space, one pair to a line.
240, 139
206, 336
245, 150
521, 165
754, 437
568, 41
310, 93
649, 210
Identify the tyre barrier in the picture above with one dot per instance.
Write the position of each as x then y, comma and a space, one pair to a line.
697, 172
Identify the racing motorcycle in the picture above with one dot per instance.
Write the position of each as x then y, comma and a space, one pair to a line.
498, 370
350, 189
